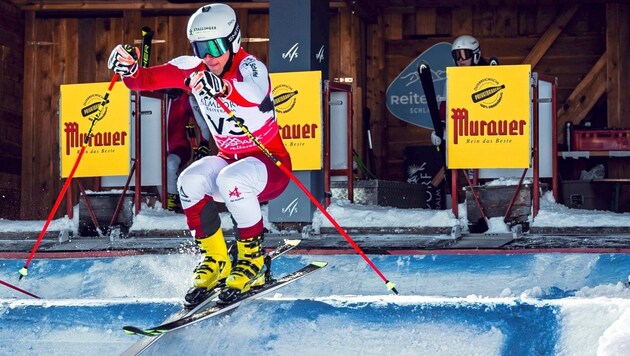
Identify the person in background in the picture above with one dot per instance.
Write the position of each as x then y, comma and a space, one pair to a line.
179, 150
465, 52
240, 175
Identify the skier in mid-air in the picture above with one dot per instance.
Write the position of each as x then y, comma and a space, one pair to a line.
240, 174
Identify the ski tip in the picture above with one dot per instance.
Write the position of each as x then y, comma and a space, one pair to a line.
293, 242
423, 65
319, 264
132, 330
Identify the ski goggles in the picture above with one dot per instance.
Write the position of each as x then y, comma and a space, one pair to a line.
461, 54
215, 48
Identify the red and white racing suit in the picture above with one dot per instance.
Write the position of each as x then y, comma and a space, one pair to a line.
240, 175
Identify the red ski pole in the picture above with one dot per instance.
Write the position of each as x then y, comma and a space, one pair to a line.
19, 289
239, 122
99, 112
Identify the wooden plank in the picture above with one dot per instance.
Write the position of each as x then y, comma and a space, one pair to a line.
507, 21
503, 47
108, 33
132, 28
443, 21
580, 23
426, 20
617, 33
86, 42
58, 67
358, 74
545, 15
618, 69
596, 16
484, 21
259, 28
375, 90
407, 135
175, 44
347, 52
134, 21
393, 25
44, 185
10, 17
69, 62
145, 5
550, 35
395, 170
28, 123
554, 65
244, 22
409, 25
462, 23
526, 20
334, 46
584, 97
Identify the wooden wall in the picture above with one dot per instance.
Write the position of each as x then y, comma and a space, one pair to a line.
514, 34
567, 41
11, 83
75, 48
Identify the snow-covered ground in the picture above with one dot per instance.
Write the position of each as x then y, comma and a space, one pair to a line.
521, 304
551, 214
502, 304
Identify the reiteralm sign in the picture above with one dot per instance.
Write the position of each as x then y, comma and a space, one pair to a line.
405, 97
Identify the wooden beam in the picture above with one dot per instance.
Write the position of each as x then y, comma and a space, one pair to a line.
111, 5
617, 35
375, 88
549, 37
584, 97
364, 9
29, 122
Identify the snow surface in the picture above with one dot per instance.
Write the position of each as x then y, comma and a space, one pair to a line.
503, 304
551, 214
521, 304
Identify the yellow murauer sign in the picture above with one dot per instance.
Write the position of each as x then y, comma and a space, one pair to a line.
488, 117
107, 152
298, 102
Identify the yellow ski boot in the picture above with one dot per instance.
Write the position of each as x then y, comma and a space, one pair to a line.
212, 271
248, 271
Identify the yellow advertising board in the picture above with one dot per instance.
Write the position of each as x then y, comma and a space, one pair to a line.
298, 102
488, 117
107, 151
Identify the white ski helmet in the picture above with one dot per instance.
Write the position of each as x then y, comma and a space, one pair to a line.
212, 29
464, 47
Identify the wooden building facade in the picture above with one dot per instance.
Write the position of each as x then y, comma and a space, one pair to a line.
44, 44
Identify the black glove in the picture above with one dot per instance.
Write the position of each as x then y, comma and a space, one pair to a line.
205, 84
202, 150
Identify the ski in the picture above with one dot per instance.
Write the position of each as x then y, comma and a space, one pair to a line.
426, 79
147, 38
144, 343
220, 307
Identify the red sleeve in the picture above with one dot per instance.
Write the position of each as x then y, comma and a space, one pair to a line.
164, 76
